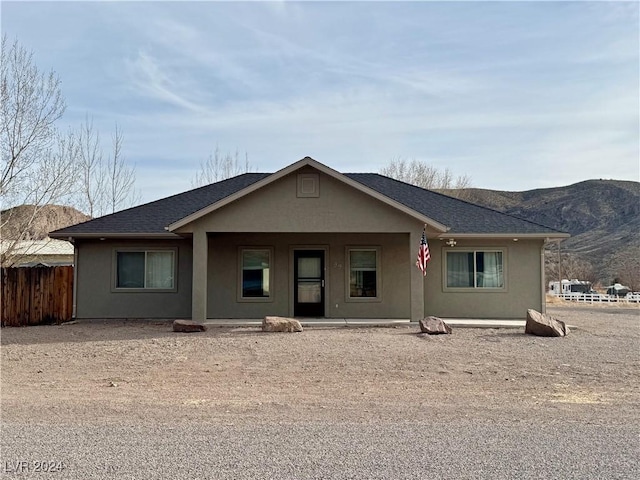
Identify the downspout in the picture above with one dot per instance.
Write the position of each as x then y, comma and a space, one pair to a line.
75, 278
543, 286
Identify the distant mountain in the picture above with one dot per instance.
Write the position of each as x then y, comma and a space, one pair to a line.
37, 223
602, 216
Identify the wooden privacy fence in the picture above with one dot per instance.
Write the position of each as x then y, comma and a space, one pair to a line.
36, 295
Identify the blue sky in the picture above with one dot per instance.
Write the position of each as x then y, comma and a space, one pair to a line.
516, 95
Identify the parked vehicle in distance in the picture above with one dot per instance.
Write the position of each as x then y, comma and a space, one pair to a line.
618, 290
570, 287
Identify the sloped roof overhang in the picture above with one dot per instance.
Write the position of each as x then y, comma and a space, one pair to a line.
107, 235
307, 161
545, 236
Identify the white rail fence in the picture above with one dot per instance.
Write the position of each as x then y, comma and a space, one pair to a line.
598, 297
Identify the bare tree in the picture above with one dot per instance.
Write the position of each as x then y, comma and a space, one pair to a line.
573, 267
220, 166
105, 183
31, 102
91, 178
36, 158
39, 164
423, 175
121, 178
628, 271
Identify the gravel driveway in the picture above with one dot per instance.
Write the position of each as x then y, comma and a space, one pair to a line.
134, 400
462, 449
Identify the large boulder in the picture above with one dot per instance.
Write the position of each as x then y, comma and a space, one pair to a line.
188, 326
544, 325
434, 326
281, 324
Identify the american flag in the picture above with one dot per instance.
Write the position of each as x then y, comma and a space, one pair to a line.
423, 254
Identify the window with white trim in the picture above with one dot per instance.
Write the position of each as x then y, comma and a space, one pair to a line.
145, 269
364, 273
475, 269
255, 273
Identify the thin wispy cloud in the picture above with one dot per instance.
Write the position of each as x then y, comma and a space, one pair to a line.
149, 79
517, 95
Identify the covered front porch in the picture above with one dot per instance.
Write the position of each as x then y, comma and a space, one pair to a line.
327, 277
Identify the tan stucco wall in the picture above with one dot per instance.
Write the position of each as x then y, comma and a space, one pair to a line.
523, 283
224, 278
276, 208
95, 297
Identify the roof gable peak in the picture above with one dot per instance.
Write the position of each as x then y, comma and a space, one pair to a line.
304, 162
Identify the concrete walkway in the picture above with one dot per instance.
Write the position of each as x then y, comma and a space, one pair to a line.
356, 322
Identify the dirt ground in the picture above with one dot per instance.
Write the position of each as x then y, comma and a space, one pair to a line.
141, 373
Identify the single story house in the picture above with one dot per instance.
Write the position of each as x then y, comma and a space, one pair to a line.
308, 241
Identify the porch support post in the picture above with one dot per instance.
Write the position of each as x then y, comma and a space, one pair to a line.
417, 279
199, 285
543, 287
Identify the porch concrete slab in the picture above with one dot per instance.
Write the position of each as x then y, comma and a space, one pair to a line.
312, 322
483, 323
375, 322
233, 322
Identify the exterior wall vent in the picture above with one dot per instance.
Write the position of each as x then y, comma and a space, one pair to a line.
308, 185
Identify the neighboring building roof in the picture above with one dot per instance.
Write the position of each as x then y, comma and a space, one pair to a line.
47, 246
458, 216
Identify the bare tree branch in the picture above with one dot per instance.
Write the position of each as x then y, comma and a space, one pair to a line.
30, 104
106, 184
424, 175
41, 165
35, 158
573, 266
121, 177
628, 271
219, 167
90, 161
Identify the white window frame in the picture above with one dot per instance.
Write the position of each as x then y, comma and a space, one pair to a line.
240, 297
174, 266
378, 297
474, 288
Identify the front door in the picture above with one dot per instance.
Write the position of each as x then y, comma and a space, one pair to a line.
308, 271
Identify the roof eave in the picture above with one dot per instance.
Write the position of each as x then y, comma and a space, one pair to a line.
546, 236
143, 236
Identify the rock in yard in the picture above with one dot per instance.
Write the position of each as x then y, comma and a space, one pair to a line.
188, 326
434, 326
280, 324
544, 325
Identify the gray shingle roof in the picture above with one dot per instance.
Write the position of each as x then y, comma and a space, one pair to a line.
151, 218
460, 216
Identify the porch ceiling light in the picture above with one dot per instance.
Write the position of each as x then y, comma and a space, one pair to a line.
451, 242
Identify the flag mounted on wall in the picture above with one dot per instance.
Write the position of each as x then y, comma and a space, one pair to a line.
423, 253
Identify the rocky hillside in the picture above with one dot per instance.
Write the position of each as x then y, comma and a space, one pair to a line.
602, 216
36, 223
